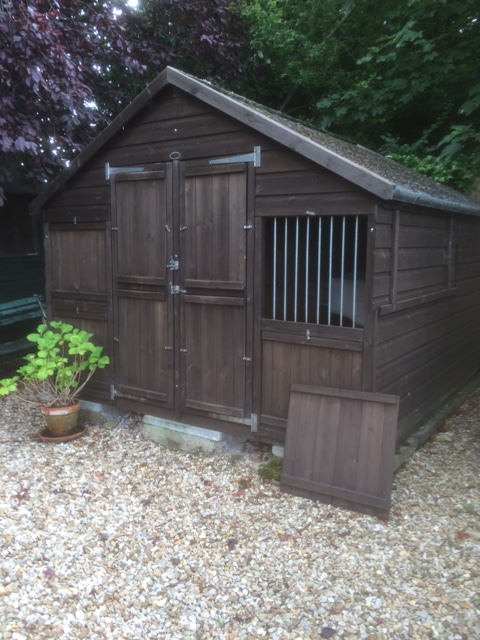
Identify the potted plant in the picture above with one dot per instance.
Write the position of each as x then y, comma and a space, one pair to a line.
54, 375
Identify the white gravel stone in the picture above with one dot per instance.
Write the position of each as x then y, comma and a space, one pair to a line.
113, 536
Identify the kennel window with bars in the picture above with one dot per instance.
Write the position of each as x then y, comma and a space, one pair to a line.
315, 269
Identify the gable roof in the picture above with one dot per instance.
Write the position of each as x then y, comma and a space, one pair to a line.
369, 170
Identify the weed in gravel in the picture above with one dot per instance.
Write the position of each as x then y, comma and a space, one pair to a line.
271, 470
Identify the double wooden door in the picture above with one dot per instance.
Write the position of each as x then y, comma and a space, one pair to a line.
182, 254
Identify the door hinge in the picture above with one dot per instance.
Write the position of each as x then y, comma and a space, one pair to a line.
254, 157
112, 171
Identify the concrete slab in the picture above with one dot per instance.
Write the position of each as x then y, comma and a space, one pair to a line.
100, 414
176, 435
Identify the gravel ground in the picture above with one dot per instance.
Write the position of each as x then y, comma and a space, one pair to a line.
111, 536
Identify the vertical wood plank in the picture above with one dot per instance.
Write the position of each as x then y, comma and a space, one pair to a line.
370, 447
346, 455
327, 439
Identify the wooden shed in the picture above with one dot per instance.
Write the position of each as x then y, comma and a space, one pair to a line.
224, 254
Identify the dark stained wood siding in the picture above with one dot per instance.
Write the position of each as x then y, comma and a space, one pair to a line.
286, 361
78, 269
426, 294
173, 122
421, 332
287, 185
142, 313
284, 185
78, 217
340, 447
79, 261
214, 368
213, 314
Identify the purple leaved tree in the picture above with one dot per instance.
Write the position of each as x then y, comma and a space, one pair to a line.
68, 67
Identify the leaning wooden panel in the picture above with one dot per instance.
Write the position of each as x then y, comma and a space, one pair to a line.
340, 447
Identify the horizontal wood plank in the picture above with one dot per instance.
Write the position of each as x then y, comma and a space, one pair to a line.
320, 489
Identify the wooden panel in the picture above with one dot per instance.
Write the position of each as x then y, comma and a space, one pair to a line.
214, 237
340, 447
327, 204
84, 305
189, 148
215, 348
186, 127
421, 327
78, 259
428, 343
410, 282
143, 329
95, 195
171, 104
141, 206
145, 365
213, 272
282, 159
287, 363
288, 182
79, 213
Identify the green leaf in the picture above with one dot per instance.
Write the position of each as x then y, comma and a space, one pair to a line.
8, 385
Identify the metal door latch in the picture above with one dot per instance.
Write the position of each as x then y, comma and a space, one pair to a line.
173, 265
175, 289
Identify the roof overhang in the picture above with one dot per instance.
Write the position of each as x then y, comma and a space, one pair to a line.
267, 125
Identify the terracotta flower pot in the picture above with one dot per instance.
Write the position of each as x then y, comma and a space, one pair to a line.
61, 421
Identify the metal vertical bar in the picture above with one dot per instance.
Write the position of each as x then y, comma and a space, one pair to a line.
296, 271
307, 258
355, 252
319, 266
330, 257
274, 292
342, 274
285, 271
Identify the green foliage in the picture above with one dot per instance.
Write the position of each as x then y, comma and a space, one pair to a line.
444, 168
302, 49
64, 361
419, 83
408, 71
